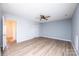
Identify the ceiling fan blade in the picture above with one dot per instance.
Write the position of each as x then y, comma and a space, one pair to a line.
47, 16
42, 17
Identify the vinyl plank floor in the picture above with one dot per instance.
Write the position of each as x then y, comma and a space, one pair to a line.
41, 46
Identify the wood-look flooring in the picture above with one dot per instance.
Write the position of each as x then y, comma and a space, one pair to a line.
41, 47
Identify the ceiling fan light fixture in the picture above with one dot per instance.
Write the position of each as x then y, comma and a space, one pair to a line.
42, 17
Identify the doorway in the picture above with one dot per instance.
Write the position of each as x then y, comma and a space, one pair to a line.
10, 32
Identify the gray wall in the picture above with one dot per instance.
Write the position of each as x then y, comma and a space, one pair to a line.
26, 29
75, 30
56, 29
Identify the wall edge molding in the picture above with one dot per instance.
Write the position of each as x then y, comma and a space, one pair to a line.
57, 38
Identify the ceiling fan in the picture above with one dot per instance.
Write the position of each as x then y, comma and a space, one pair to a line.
43, 17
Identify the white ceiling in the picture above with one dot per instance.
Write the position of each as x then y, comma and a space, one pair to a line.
57, 11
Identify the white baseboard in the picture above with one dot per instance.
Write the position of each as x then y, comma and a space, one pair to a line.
57, 38
74, 49
46, 37
26, 39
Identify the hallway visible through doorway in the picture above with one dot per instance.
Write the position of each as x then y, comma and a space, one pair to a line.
10, 32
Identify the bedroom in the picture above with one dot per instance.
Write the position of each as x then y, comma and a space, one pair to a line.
44, 29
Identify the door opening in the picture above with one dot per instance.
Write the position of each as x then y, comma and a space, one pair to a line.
10, 32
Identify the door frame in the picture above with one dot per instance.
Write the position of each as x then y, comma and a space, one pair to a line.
4, 38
